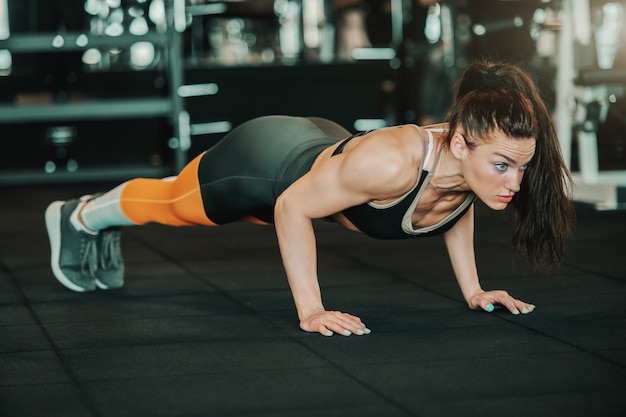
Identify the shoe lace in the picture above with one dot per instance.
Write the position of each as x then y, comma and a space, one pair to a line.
110, 254
89, 262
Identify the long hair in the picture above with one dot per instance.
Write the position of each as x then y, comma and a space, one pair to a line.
492, 96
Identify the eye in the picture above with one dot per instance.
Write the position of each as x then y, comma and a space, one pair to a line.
523, 167
501, 166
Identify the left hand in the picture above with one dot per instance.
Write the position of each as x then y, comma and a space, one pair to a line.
330, 322
487, 300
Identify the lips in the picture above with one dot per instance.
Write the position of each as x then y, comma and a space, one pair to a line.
505, 198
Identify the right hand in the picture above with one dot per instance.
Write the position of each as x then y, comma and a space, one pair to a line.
330, 322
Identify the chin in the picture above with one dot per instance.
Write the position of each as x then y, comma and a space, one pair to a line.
496, 205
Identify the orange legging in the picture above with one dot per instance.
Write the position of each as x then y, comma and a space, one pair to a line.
172, 202
176, 202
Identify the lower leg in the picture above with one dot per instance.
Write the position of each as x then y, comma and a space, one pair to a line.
174, 201
85, 237
101, 212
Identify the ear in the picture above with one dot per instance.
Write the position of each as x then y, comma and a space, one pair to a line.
458, 146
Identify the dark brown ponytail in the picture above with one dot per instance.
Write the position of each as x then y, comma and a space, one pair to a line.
493, 96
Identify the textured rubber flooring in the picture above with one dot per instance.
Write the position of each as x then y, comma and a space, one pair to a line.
205, 326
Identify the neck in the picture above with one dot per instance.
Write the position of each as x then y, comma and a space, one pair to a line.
448, 176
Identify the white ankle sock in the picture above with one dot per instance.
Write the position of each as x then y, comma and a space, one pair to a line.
78, 225
105, 211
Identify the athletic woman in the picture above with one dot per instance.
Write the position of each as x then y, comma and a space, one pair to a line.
498, 144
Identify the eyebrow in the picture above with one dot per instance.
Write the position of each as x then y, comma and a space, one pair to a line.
511, 160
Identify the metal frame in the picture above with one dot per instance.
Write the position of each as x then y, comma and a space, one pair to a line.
606, 190
171, 107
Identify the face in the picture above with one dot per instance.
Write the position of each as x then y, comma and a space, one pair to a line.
493, 170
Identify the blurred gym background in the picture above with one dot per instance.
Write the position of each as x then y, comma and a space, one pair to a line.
94, 90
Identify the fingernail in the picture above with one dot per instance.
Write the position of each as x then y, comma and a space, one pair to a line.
367, 331
525, 310
360, 332
329, 333
516, 311
489, 308
347, 332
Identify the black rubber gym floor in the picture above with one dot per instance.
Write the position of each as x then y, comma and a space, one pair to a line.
205, 326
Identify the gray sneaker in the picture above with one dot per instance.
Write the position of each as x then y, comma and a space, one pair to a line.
74, 257
110, 272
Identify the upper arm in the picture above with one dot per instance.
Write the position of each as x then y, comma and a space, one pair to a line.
463, 230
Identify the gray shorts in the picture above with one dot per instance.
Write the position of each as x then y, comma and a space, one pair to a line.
244, 173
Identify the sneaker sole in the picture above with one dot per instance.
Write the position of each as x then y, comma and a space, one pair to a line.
53, 225
103, 286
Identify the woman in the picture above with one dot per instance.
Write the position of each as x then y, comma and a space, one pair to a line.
498, 145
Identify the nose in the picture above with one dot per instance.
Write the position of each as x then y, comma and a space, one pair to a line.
513, 181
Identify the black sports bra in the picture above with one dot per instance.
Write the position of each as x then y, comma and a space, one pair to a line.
393, 220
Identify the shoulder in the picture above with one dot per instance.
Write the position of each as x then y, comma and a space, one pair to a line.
387, 159
395, 146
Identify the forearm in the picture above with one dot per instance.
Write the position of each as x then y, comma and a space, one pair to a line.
296, 240
464, 267
460, 244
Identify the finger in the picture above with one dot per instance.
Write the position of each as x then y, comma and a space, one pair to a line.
350, 317
487, 306
510, 304
525, 308
513, 305
504, 299
520, 307
354, 324
530, 308
481, 301
517, 306
324, 331
353, 327
346, 324
341, 327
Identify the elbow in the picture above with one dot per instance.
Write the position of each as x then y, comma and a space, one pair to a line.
290, 211
284, 209
280, 208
